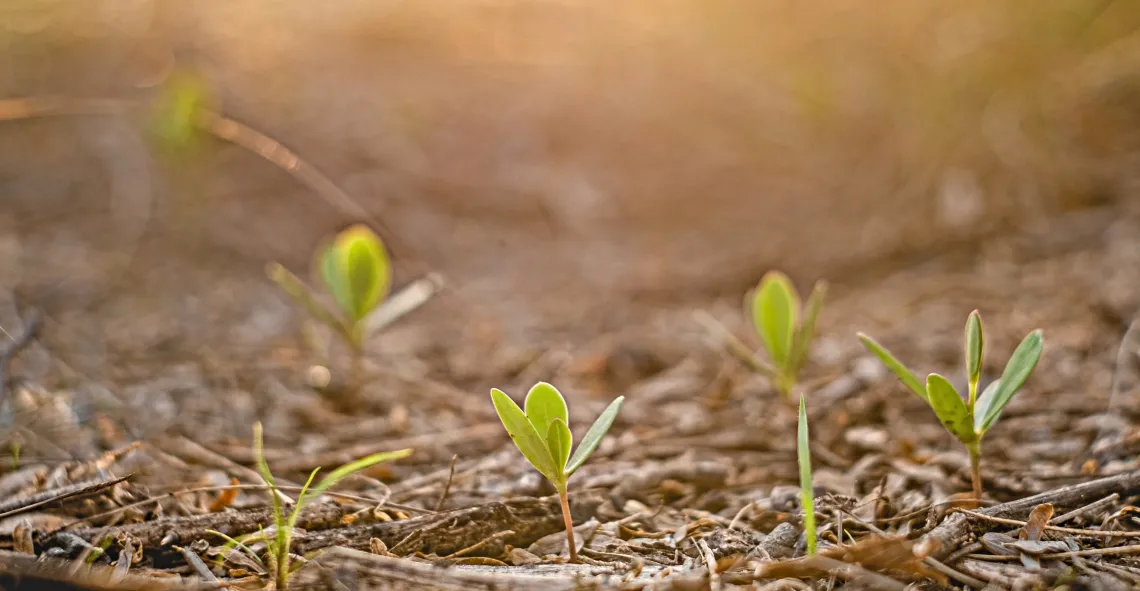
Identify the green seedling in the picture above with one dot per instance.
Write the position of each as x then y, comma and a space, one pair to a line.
355, 270
785, 327
969, 419
282, 538
807, 493
542, 434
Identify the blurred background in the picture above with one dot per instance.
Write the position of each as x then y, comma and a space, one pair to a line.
569, 167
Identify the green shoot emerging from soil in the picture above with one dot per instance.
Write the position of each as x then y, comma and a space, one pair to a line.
354, 268
542, 434
969, 420
807, 493
785, 327
284, 524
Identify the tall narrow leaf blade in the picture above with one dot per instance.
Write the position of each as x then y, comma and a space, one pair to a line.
1021, 364
950, 408
543, 404
801, 342
356, 466
594, 436
807, 493
974, 347
905, 376
559, 440
983, 405
775, 312
532, 446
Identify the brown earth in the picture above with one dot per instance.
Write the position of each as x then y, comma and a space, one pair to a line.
584, 177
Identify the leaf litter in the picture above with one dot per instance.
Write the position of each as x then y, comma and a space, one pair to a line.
694, 487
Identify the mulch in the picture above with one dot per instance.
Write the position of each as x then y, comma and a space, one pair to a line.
127, 479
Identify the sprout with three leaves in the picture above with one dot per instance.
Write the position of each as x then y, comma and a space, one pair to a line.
542, 434
785, 327
969, 419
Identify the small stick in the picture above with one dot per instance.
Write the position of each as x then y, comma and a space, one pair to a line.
1086, 509
1092, 533
291, 488
67, 494
447, 487
480, 544
200, 567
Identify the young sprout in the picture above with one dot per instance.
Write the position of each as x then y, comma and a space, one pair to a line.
354, 268
785, 328
969, 420
284, 524
542, 434
807, 493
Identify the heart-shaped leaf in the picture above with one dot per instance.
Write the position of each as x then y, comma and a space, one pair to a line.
543, 404
905, 376
1021, 364
801, 342
594, 436
950, 408
530, 443
559, 440
974, 347
775, 313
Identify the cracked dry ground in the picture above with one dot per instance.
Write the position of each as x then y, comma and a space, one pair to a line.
694, 488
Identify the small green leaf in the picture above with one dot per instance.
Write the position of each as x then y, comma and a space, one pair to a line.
594, 436
807, 493
543, 404
529, 442
801, 343
1021, 364
559, 440
974, 345
355, 269
981, 408
896, 366
950, 408
775, 313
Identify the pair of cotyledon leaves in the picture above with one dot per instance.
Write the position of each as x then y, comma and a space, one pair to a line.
542, 431
355, 269
776, 314
968, 420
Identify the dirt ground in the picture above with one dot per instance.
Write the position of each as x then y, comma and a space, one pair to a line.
584, 179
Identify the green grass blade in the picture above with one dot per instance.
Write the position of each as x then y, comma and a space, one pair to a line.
908, 379
950, 408
594, 436
543, 404
807, 493
355, 466
529, 442
559, 440
801, 343
1020, 366
302, 499
974, 349
775, 314
266, 475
